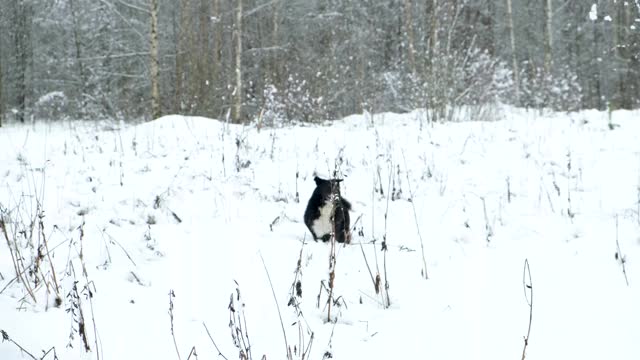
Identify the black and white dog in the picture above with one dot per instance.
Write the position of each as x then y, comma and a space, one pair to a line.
326, 209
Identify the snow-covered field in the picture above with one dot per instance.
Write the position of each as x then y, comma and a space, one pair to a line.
193, 206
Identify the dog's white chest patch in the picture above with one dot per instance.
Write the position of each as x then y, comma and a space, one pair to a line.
322, 225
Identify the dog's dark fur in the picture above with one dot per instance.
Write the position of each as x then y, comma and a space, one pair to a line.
324, 214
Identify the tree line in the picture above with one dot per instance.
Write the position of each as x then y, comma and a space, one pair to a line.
306, 60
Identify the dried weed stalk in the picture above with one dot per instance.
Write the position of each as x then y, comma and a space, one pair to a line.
303, 348
172, 295
415, 217
5, 337
528, 294
619, 256
238, 325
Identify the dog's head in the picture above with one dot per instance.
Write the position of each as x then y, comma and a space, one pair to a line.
327, 187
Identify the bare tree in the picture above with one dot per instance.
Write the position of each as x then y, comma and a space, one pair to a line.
155, 67
202, 76
548, 38
327, 59
432, 44
238, 91
77, 42
217, 43
433, 32
623, 55
514, 57
408, 24
1, 98
21, 37
597, 91
181, 54
275, 40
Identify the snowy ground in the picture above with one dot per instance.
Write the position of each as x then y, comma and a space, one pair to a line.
192, 205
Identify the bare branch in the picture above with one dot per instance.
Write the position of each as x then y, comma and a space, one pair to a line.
135, 7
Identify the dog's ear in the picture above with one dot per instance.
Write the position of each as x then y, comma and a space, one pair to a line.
319, 181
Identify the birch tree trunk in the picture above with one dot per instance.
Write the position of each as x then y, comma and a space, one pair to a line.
1, 98
238, 93
433, 33
217, 42
79, 62
155, 71
275, 40
180, 56
21, 40
625, 73
408, 24
597, 91
548, 37
203, 70
514, 58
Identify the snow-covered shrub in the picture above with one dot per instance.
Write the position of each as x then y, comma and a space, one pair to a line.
561, 91
401, 91
299, 104
273, 113
52, 105
487, 79
470, 78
